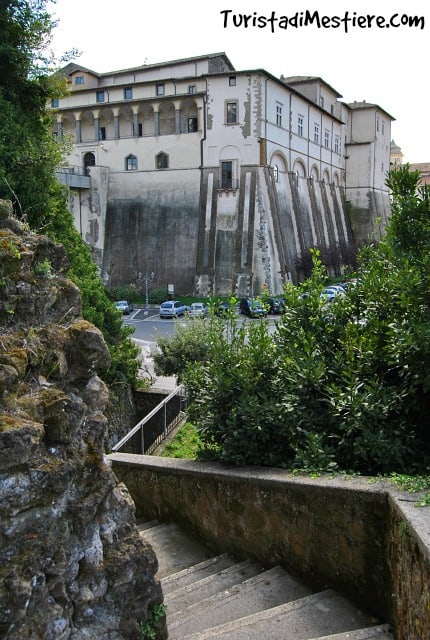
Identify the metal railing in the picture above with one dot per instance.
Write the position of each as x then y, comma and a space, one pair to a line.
147, 434
229, 184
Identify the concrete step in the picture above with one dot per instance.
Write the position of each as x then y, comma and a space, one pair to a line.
215, 597
264, 591
174, 549
190, 575
380, 632
318, 615
211, 585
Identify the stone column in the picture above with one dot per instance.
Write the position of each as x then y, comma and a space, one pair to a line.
96, 124
177, 106
135, 123
156, 122
116, 123
78, 132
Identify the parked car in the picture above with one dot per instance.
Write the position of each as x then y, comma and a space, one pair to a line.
252, 308
275, 305
172, 309
330, 293
198, 310
124, 306
224, 308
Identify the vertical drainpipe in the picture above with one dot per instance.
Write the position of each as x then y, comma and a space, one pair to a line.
309, 119
203, 138
290, 137
265, 124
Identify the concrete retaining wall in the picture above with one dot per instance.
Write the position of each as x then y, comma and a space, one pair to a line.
365, 539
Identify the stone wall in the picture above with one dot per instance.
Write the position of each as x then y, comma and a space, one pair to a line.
363, 538
72, 563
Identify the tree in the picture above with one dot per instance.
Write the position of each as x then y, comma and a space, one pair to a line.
29, 155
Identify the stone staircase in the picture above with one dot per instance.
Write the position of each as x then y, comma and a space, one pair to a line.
217, 597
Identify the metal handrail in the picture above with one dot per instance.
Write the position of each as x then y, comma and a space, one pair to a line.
139, 426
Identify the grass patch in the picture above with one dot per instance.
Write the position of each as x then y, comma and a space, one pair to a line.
185, 444
413, 484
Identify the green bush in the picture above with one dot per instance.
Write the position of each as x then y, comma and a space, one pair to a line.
157, 296
124, 292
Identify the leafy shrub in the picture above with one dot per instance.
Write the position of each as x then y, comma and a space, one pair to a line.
124, 292
157, 296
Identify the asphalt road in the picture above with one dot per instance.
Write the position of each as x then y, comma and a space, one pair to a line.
148, 326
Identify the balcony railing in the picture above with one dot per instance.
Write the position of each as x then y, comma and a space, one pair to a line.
228, 185
73, 176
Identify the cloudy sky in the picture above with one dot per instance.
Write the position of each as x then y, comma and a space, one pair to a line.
386, 65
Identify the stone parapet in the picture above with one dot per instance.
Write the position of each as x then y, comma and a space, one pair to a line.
364, 538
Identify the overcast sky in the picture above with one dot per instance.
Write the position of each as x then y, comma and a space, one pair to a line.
384, 65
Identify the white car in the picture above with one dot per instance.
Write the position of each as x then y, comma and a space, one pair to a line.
124, 306
172, 309
198, 310
330, 293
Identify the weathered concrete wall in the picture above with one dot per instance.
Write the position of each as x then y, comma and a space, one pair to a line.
257, 235
211, 241
368, 212
152, 226
365, 539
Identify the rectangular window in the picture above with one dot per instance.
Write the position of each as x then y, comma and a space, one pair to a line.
383, 127
55, 103
140, 129
79, 80
227, 175
131, 163
192, 88
231, 112
316, 133
336, 144
327, 139
377, 124
128, 93
159, 89
278, 115
232, 81
102, 133
100, 96
321, 102
191, 124
300, 125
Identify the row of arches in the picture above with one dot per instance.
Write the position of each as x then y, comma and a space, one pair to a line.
279, 165
145, 119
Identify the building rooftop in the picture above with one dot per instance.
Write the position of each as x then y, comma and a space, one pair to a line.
362, 104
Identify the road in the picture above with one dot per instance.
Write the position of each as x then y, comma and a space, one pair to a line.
148, 327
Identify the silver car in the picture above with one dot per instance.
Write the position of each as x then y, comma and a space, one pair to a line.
172, 309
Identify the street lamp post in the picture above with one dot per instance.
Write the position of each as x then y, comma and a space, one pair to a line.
149, 277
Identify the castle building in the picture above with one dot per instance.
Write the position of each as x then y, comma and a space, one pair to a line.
219, 180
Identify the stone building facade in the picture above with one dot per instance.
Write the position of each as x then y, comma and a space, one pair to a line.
219, 180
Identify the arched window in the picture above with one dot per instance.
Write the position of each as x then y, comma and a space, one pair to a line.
162, 161
131, 163
89, 161
275, 170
